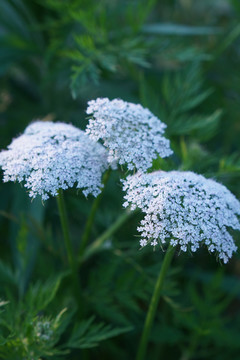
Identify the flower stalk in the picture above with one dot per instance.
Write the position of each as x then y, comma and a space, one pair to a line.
89, 224
68, 244
154, 303
98, 243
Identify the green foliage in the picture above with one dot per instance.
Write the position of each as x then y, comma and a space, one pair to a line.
27, 332
87, 334
207, 321
182, 93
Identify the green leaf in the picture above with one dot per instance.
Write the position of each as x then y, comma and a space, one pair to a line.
197, 100
41, 294
89, 334
201, 126
180, 30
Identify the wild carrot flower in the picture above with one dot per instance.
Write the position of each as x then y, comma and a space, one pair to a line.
51, 156
185, 209
131, 133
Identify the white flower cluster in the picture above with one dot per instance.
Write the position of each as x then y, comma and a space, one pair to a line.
51, 156
185, 209
131, 133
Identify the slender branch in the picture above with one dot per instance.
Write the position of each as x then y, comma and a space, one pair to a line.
98, 243
68, 244
154, 303
88, 226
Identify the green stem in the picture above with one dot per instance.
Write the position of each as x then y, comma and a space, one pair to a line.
97, 244
66, 235
184, 150
88, 226
154, 303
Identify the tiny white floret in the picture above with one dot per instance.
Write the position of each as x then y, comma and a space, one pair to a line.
143, 242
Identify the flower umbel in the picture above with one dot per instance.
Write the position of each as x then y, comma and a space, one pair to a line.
131, 133
51, 156
185, 209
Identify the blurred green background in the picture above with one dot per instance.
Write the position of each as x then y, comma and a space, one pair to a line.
179, 58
